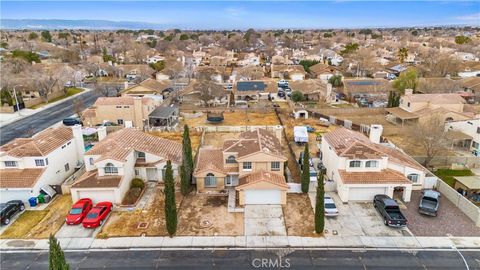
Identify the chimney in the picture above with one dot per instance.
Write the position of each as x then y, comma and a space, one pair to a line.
375, 133
278, 133
137, 112
79, 143
101, 132
125, 85
408, 92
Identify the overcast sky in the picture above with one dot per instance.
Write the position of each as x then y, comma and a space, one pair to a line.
256, 14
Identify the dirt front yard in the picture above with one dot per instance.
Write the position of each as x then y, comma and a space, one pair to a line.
207, 215
39, 224
299, 216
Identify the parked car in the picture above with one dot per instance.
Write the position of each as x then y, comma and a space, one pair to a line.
388, 208
313, 174
72, 121
97, 215
429, 203
10, 209
330, 207
79, 211
310, 129
281, 94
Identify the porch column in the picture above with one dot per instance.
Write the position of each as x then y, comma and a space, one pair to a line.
407, 193
390, 191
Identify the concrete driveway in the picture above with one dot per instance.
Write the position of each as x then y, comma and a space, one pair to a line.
359, 219
76, 231
263, 220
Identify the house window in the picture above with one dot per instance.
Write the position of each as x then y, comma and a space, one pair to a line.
355, 164
247, 166
39, 162
46, 161
120, 121
118, 107
110, 169
231, 159
413, 177
475, 145
408, 104
141, 154
137, 172
210, 180
11, 164
371, 164
126, 107
67, 167
91, 161
275, 166
69, 143
478, 130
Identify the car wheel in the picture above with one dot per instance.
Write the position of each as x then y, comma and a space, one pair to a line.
22, 207
385, 222
6, 221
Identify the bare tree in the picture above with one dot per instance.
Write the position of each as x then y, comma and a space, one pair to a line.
431, 134
45, 85
78, 106
139, 53
208, 90
103, 89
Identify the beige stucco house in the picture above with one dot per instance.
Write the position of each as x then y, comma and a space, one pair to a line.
253, 165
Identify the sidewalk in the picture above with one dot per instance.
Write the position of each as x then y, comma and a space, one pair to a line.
7, 118
249, 242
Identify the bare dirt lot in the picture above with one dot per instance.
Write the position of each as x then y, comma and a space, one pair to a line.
298, 214
207, 215
237, 118
177, 137
450, 220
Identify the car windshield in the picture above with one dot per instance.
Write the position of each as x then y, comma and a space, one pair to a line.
92, 215
429, 199
330, 205
76, 211
3, 206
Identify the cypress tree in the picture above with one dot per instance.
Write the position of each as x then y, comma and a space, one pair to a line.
56, 257
319, 206
170, 206
306, 170
184, 181
187, 155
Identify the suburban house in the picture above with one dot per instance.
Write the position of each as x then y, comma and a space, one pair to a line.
251, 90
253, 165
469, 134
48, 158
292, 72
116, 159
147, 87
360, 167
324, 72
126, 111
313, 89
370, 89
418, 107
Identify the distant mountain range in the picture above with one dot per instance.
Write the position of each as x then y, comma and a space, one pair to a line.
51, 24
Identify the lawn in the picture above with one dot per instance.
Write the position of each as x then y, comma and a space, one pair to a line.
70, 92
39, 224
299, 216
447, 175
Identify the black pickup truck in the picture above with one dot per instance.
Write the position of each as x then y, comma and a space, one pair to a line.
388, 208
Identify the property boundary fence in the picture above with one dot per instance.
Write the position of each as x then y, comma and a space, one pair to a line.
466, 206
438, 161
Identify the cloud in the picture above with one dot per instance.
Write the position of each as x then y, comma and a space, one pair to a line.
470, 17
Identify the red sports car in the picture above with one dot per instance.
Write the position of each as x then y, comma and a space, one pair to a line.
79, 211
97, 215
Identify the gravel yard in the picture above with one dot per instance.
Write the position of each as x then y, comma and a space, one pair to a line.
298, 214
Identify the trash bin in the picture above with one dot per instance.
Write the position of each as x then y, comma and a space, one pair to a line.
41, 198
47, 198
32, 201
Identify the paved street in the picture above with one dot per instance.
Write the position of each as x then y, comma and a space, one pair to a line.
37, 122
249, 259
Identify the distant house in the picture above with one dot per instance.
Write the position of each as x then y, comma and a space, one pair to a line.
27, 165
397, 69
155, 59
147, 87
292, 72
118, 158
324, 72
368, 88
250, 90
163, 117
470, 129
313, 89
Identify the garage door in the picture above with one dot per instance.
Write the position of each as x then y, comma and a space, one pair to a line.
263, 197
97, 195
364, 193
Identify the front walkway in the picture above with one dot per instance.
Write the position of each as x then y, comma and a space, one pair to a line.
264, 220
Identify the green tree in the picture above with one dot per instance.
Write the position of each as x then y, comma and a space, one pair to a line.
406, 80
56, 257
336, 81
170, 204
414, 33
187, 155
184, 37
297, 96
393, 99
28, 56
46, 36
32, 36
462, 39
184, 181
349, 48
4, 45
7, 97
327, 35
158, 66
402, 54
305, 178
320, 206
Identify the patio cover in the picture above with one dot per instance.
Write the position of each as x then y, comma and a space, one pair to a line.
471, 182
401, 113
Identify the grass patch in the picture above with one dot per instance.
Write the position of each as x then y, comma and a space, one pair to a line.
70, 92
22, 226
447, 175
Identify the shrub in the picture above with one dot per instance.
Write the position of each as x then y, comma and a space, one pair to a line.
137, 183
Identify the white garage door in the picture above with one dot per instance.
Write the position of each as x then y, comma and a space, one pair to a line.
263, 197
97, 195
364, 193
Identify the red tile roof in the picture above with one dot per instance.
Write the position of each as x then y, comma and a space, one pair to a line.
19, 178
383, 177
262, 176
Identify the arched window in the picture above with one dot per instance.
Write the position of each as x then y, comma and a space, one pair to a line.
91, 161
210, 180
413, 177
449, 119
110, 169
231, 159
371, 164
355, 164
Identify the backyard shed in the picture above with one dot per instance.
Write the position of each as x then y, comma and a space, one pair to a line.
300, 134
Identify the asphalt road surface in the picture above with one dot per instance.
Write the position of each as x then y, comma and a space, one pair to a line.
250, 259
34, 123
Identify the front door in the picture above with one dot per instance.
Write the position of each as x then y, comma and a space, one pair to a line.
228, 181
152, 174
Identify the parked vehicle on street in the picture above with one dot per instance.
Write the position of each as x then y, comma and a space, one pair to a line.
388, 208
429, 203
97, 215
72, 121
330, 207
79, 211
10, 209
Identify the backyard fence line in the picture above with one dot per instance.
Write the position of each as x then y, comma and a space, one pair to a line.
210, 129
471, 162
462, 203
355, 111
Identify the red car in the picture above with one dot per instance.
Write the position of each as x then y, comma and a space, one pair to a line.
79, 211
97, 215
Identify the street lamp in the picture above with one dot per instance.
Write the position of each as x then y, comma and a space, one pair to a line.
16, 99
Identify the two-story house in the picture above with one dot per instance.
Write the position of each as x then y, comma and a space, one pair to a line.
470, 128
48, 158
418, 107
359, 168
253, 164
118, 158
